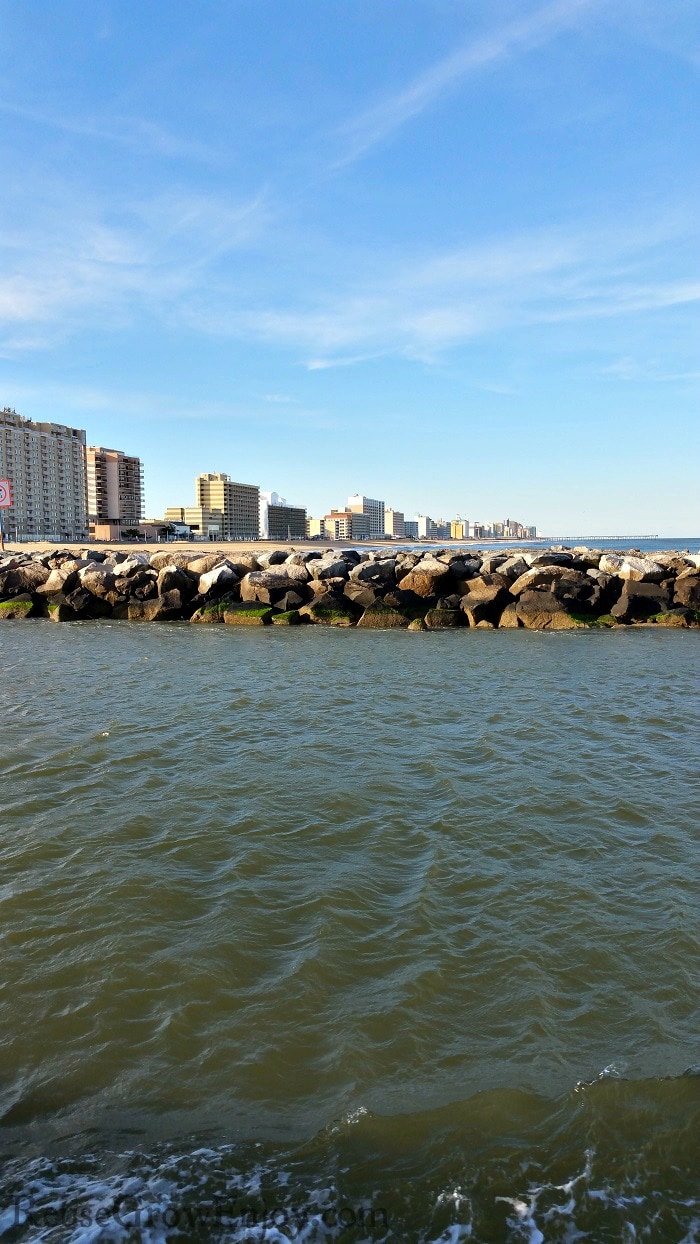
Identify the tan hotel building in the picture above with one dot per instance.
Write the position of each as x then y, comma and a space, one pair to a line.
115, 491
45, 464
225, 510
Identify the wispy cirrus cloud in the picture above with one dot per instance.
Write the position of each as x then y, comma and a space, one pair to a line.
138, 133
73, 260
496, 46
419, 309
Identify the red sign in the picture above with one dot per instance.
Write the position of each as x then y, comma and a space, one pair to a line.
5, 494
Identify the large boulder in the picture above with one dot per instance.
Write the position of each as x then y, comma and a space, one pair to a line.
142, 585
549, 558
136, 562
175, 578
687, 591
248, 615
543, 576
163, 557
329, 612
509, 568
274, 557
332, 567
381, 617
210, 613
17, 609
290, 600
492, 561
85, 605
462, 568
485, 599
639, 601
641, 570
543, 611
266, 587
285, 570
204, 562
360, 594
632, 569
380, 572
679, 617
428, 578
216, 579
23, 579
291, 617
443, 619
61, 579
98, 578
166, 608
243, 563
509, 619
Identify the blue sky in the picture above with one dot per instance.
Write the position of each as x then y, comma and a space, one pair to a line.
444, 252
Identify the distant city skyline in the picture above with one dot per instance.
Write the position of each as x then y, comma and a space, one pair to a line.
447, 254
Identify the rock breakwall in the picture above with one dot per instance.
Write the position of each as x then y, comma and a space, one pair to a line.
545, 589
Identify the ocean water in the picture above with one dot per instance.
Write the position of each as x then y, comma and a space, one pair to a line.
318, 934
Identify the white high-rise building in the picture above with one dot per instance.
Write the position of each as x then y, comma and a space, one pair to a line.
46, 466
373, 509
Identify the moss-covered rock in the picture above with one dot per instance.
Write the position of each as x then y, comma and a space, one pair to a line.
248, 615
680, 616
605, 622
381, 617
290, 617
209, 613
328, 615
15, 610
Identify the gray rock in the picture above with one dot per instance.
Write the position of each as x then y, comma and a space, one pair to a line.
219, 578
639, 601
275, 557
165, 608
360, 594
376, 571
512, 567
540, 576
174, 578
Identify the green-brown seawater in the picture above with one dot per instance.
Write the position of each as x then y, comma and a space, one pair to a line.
349, 934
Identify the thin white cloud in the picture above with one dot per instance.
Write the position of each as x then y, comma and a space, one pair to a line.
517, 37
139, 133
421, 308
71, 262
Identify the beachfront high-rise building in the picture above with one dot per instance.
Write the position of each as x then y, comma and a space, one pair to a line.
373, 509
45, 463
239, 504
394, 524
410, 529
426, 526
347, 525
224, 510
115, 489
279, 521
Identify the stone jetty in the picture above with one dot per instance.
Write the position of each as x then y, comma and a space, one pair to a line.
542, 589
